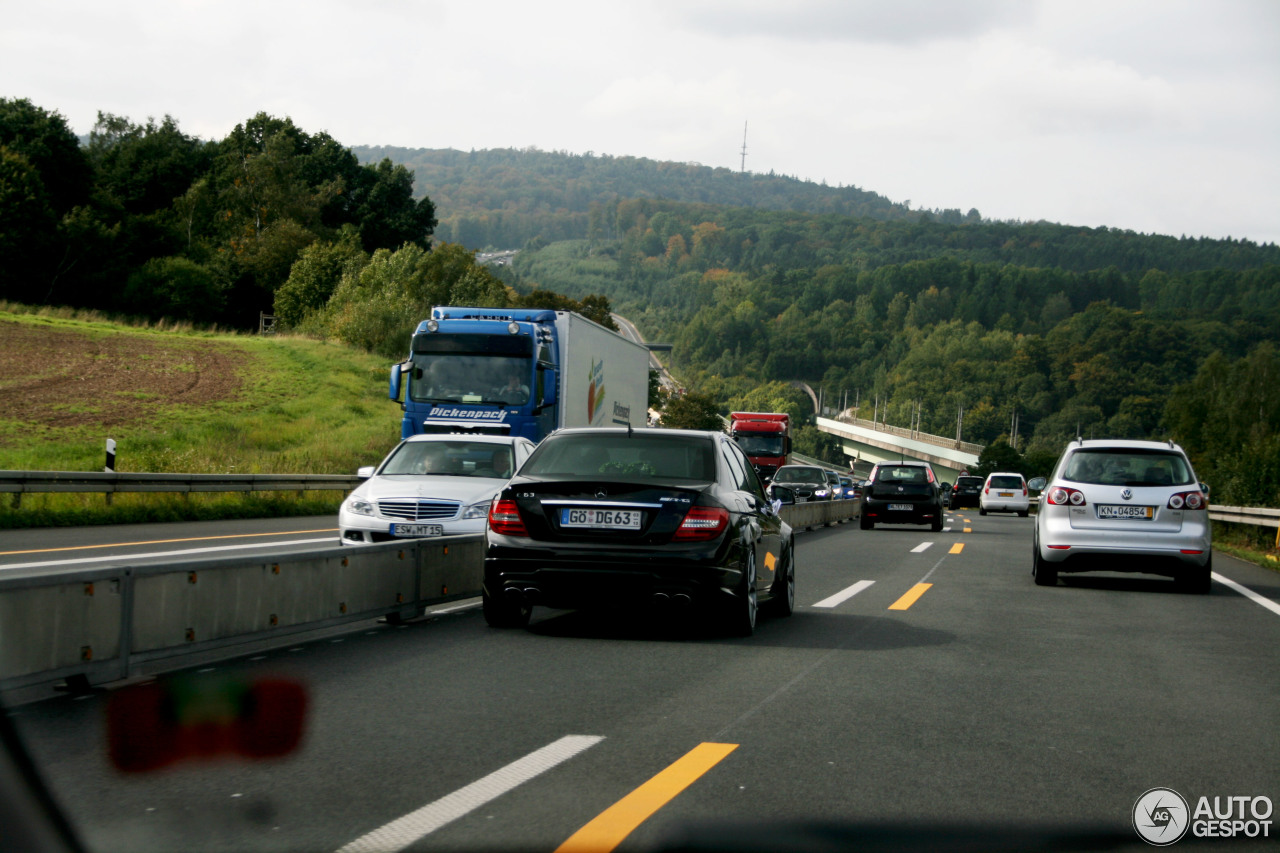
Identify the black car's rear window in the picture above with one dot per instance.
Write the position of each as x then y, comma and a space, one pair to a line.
912, 474
1128, 467
974, 482
590, 455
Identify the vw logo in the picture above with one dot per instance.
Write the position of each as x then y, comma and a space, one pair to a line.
1126, 494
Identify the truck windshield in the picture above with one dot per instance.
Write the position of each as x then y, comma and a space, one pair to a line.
471, 369
759, 445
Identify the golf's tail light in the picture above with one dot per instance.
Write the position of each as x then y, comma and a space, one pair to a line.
1188, 500
702, 523
1061, 496
504, 518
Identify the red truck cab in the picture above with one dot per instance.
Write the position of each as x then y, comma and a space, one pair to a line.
764, 437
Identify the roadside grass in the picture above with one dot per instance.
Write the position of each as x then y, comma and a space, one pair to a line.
1251, 543
302, 406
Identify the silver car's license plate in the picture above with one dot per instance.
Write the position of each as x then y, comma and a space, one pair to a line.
601, 519
1122, 511
901, 507
417, 530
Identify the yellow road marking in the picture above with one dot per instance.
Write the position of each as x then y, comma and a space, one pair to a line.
957, 548
167, 541
910, 598
618, 821
968, 530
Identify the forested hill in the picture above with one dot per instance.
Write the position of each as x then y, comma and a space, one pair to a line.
502, 197
506, 198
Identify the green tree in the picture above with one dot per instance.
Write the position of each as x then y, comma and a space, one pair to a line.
49, 146
999, 455
44, 178
28, 227
174, 287
692, 410
1228, 419
315, 276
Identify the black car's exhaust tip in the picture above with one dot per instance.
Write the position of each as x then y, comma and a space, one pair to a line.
681, 599
661, 598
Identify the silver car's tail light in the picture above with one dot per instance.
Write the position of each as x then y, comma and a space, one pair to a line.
1061, 496
1188, 500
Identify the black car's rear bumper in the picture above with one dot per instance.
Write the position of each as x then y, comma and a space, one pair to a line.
608, 578
879, 512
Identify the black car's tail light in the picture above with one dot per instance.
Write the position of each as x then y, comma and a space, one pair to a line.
504, 518
1188, 500
702, 523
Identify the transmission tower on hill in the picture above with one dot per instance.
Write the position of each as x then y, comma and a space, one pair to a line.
743, 167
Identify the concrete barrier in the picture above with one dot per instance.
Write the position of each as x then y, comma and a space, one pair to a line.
812, 514
100, 625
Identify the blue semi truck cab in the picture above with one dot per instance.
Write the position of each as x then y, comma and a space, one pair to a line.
520, 372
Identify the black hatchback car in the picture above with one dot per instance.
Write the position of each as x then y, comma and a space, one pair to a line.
627, 517
902, 493
967, 491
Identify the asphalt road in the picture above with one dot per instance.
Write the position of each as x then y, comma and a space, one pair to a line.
983, 699
64, 549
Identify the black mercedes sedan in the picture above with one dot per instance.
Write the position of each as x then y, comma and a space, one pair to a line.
606, 517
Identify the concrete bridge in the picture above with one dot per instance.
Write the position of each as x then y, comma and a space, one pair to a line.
867, 442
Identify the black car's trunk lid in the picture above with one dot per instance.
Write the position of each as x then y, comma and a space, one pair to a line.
594, 510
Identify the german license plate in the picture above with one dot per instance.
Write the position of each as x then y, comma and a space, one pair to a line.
417, 530
901, 507
1122, 511
601, 519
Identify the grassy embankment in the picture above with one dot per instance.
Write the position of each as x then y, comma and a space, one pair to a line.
179, 400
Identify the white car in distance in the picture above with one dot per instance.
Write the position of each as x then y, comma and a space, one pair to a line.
431, 485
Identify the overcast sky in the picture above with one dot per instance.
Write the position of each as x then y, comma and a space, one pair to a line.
1154, 115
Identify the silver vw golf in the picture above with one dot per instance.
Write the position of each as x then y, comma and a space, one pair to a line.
1123, 506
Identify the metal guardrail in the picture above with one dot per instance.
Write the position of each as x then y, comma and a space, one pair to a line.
1245, 515
18, 483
